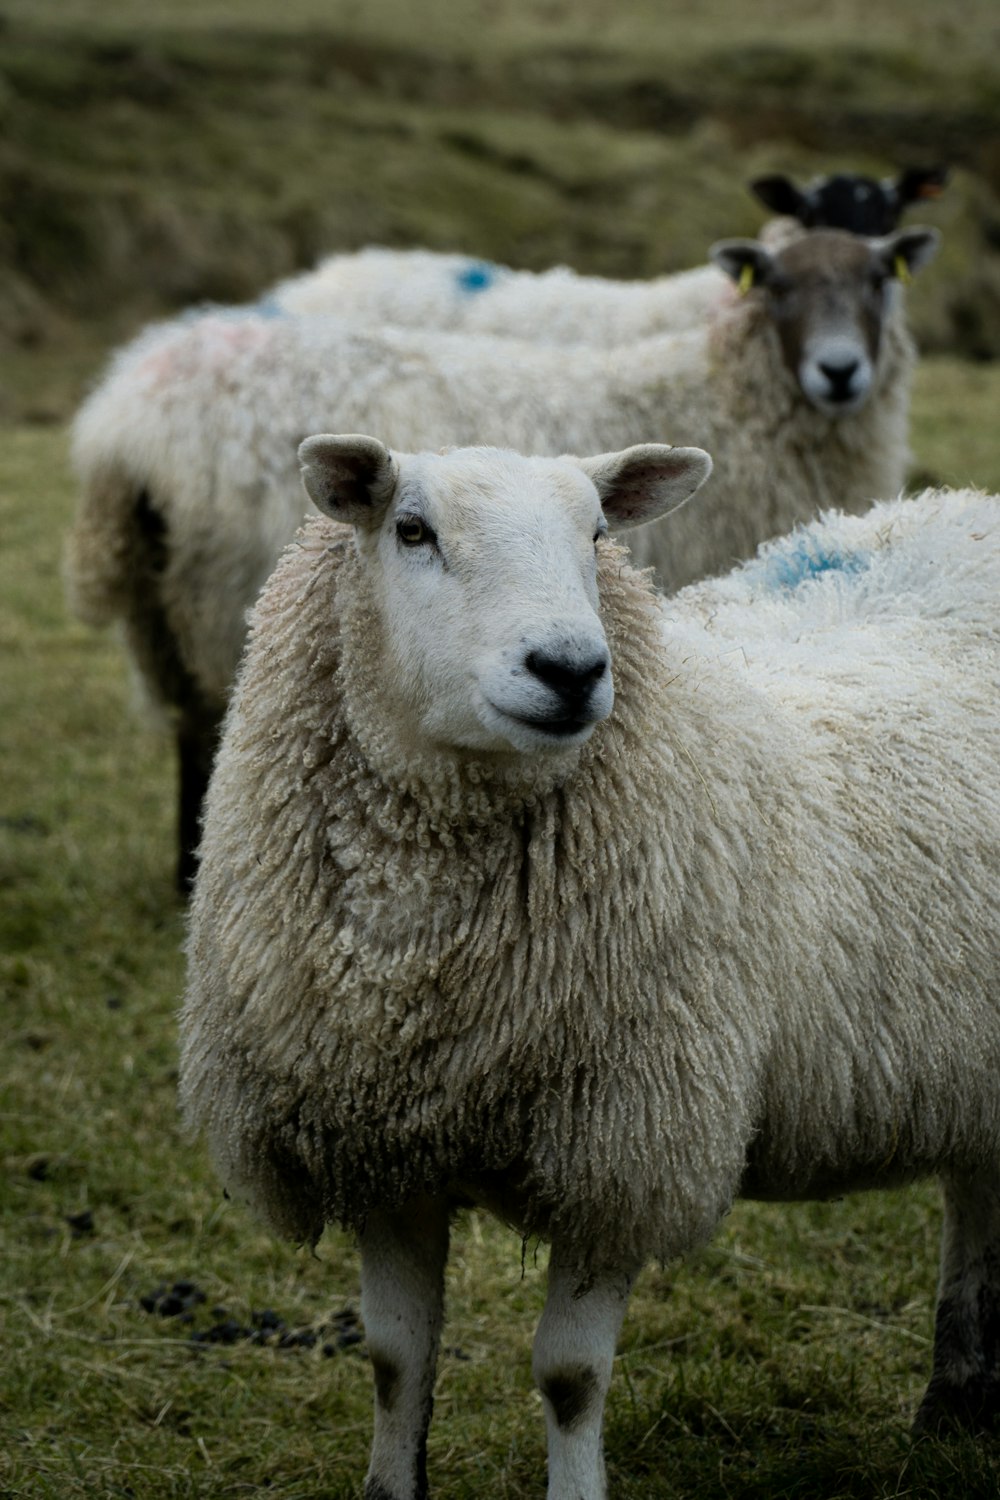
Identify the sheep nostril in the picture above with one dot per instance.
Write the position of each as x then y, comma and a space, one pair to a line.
568, 679
840, 376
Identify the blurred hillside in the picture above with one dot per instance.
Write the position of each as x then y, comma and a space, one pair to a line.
153, 155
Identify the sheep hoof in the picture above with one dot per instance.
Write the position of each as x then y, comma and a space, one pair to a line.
971, 1407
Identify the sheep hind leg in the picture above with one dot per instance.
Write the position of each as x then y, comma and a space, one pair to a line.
573, 1356
197, 738
403, 1257
964, 1390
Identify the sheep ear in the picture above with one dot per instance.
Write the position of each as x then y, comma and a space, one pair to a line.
748, 262
779, 194
907, 251
920, 182
646, 482
348, 478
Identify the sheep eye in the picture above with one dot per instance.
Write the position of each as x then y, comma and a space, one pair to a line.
413, 532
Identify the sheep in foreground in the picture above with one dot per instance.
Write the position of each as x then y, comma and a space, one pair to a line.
473, 923
187, 450
427, 289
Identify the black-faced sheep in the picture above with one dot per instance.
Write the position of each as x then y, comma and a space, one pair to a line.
523, 886
849, 200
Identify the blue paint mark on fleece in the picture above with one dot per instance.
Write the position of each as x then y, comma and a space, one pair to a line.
268, 307
477, 276
801, 564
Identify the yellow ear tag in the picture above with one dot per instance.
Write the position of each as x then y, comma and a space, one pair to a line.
902, 270
746, 279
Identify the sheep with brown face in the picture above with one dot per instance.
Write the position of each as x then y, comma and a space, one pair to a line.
800, 388
187, 450
435, 289
828, 310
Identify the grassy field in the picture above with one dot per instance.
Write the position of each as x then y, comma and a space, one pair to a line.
156, 1343
786, 1360
660, 29
156, 154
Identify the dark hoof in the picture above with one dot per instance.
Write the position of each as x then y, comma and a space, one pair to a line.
973, 1407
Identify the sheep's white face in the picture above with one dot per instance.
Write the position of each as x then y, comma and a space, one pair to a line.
484, 568
486, 573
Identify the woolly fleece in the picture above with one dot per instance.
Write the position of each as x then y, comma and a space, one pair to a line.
745, 938
425, 289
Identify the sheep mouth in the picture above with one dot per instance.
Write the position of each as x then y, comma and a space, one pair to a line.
535, 731
559, 728
840, 406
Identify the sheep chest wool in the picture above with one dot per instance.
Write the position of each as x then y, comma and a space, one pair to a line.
522, 886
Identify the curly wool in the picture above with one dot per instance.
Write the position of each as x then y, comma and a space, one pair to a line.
746, 936
445, 890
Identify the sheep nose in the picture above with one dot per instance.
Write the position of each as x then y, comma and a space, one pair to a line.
840, 376
573, 681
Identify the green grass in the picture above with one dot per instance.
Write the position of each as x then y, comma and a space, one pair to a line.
785, 1360
668, 27
151, 156
955, 437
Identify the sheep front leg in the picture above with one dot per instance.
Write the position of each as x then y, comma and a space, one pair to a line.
573, 1356
403, 1258
965, 1384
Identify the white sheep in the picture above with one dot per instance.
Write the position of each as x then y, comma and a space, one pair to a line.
187, 450
430, 289
473, 923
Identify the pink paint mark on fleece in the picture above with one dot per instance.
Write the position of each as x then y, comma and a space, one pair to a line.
209, 347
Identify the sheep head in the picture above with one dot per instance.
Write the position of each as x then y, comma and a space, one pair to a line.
828, 295
849, 200
482, 566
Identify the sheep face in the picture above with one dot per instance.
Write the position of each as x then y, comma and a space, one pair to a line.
827, 296
486, 581
483, 569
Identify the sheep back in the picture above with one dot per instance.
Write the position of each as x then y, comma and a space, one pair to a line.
425, 289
